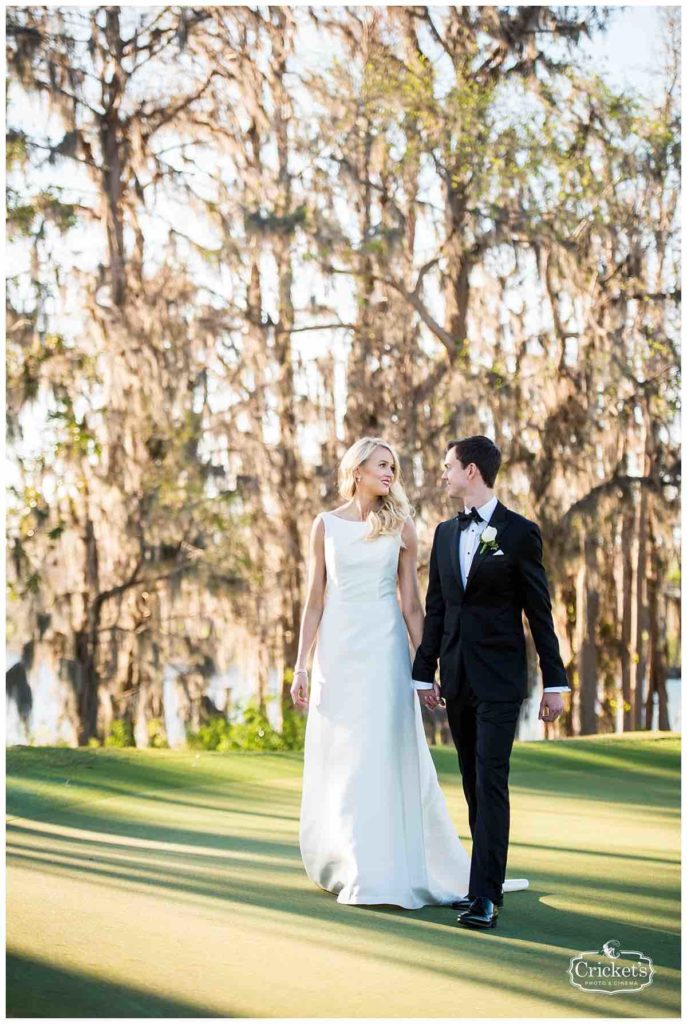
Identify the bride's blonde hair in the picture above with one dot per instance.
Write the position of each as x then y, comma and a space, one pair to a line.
395, 507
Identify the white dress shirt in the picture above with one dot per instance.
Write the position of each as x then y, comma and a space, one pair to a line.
468, 544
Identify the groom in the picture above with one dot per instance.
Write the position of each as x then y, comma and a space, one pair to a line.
484, 570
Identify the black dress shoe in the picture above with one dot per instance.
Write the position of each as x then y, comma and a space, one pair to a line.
466, 901
463, 902
483, 913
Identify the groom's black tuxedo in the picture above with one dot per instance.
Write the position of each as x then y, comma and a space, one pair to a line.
477, 630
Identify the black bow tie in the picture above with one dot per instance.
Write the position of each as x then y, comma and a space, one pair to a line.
465, 518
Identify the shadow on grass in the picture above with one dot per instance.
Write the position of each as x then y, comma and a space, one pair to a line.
643, 772
549, 848
600, 771
531, 945
51, 771
35, 989
551, 935
90, 850
57, 802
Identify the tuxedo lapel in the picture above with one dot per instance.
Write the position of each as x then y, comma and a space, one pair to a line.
500, 522
454, 540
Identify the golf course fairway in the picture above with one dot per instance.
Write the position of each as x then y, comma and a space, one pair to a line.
166, 883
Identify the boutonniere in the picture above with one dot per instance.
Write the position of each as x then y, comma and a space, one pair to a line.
488, 540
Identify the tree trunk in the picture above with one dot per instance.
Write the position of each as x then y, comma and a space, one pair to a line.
627, 535
360, 416
642, 616
589, 682
86, 639
113, 143
289, 472
658, 659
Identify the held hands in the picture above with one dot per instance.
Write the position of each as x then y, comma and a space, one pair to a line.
552, 704
431, 699
299, 688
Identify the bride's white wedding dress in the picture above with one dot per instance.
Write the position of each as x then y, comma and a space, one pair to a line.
374, 825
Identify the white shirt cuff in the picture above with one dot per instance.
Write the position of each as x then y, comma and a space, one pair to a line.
421, 685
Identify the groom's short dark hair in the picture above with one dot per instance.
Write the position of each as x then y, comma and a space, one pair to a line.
480, 450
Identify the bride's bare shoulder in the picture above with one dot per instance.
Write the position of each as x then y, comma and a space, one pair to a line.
317, 531
340, 512
318, 521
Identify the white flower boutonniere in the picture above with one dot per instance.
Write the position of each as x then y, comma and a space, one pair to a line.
488, 540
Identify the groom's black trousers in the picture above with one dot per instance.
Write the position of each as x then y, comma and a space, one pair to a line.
483, 732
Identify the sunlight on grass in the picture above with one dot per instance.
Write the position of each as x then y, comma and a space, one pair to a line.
149, 865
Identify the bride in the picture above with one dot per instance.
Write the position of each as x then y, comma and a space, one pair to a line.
374, 825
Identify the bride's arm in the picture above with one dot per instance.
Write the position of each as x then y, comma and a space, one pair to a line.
314, 606
409, 588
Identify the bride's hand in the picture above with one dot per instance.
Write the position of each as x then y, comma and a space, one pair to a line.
299, 689
431, 698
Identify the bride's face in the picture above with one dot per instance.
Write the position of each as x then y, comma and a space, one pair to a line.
376, 473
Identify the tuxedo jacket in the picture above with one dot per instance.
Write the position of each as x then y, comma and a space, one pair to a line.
476, 631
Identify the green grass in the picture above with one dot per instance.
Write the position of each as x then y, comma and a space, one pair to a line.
164, 883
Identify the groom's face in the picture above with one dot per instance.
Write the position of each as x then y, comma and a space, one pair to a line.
455, 477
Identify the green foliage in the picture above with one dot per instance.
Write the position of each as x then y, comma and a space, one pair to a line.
16, 149
260, 223
120, 735
293, 729
254, 732
24, 219
32, 583
212, 735
157, 736
76, 437
250, 730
